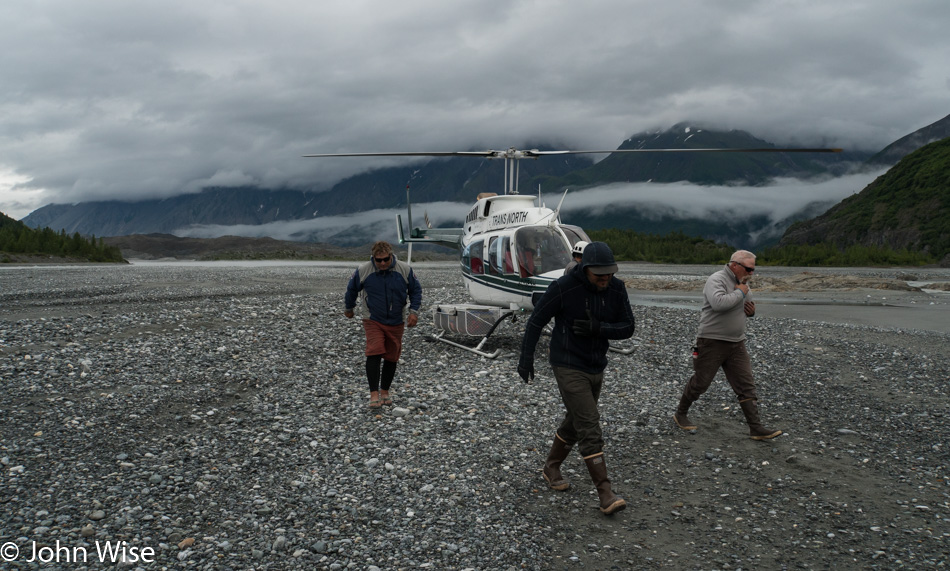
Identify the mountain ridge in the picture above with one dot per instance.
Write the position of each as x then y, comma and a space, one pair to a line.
907, 144
707, 169
457, 179
906, 208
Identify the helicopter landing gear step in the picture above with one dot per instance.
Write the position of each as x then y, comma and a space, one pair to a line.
475, 320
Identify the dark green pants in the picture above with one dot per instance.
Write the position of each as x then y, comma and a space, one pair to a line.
581, 425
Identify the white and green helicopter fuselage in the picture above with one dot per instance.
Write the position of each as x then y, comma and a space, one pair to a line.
512, 249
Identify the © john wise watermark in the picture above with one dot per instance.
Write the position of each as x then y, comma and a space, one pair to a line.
102, 552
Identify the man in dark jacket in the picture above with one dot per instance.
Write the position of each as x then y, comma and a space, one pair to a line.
589, 307
383, 285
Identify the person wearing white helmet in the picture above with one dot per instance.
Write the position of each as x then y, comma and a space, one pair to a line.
577, 252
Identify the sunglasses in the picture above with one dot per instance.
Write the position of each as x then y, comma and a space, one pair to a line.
746, 268
381, 260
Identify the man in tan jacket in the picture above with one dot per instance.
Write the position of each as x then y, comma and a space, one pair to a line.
720, 343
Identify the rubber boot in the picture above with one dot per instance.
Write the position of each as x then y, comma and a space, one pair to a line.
609, 502
756, 431
552, 466
680, 418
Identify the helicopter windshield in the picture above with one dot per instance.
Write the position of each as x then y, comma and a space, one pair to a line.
540, 249
575, 234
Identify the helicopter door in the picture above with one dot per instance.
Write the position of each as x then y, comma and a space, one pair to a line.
505, 248
499, 256
494, 262
472, 258
525, 251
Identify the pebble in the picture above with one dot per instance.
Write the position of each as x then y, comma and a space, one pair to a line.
222, 410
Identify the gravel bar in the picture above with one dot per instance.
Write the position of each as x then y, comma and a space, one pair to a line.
214, 416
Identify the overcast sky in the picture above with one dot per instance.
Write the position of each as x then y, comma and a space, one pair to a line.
104, 99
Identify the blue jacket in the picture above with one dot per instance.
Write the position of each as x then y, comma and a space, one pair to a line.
569, 298
383, 294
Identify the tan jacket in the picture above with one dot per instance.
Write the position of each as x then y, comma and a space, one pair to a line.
723, 315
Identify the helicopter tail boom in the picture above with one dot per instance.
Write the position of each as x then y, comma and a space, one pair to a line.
448, 237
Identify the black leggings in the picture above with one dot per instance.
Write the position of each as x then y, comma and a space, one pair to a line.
377, 381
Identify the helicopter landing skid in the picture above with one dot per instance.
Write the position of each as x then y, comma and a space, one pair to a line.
475, 320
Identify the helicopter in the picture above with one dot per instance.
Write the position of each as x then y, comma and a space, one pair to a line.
511, 246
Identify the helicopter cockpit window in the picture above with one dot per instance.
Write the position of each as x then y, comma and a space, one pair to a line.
540, 249
472, 257
575, 234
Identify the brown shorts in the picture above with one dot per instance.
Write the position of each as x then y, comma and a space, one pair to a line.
385, 340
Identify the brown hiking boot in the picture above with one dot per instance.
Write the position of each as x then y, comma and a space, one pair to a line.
680, 418
683, 421
552, 466
610, 503
756, 431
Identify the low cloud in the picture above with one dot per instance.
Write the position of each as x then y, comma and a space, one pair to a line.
349, 229
777, 201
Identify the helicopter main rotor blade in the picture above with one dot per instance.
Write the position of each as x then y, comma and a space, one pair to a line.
762, 150
412, 154
513, 153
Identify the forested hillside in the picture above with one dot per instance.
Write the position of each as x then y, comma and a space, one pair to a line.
678, 248
18, 238
672, 248
907, 209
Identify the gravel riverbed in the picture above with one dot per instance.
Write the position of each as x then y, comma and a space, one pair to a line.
205, 416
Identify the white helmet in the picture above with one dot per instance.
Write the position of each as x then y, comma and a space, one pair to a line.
579, 248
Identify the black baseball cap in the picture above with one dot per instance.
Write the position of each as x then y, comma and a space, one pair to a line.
599, 258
